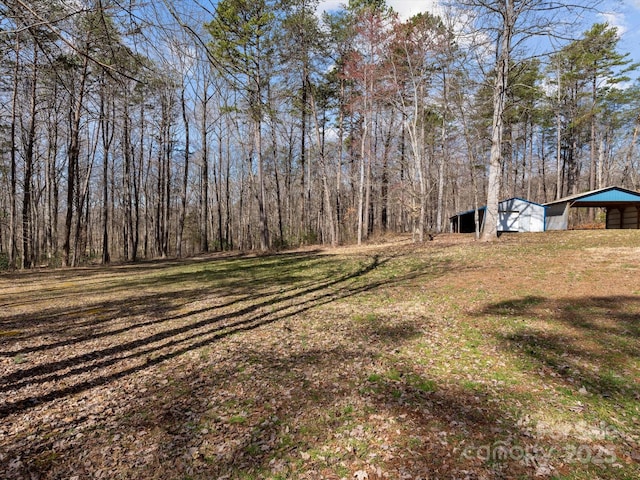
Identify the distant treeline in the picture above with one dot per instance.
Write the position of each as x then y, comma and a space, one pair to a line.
146, 130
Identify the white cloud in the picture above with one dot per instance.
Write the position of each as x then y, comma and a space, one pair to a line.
405, 8
617, 20
329, 5
408, 8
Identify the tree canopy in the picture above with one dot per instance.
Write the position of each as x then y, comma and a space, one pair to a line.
151, 130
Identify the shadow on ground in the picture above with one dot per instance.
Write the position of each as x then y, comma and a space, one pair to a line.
166, 329
176, 376
590, 342
237, 368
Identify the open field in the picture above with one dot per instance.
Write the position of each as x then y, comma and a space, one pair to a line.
449, 360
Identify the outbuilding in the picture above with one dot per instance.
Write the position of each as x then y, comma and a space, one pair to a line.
622, 208
514, 215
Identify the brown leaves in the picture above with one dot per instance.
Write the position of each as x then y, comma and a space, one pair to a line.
310, 367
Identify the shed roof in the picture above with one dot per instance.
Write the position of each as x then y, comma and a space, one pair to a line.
600, 198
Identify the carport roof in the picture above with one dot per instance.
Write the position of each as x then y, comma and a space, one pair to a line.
601, 198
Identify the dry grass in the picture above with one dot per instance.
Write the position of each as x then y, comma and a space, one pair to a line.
449, 360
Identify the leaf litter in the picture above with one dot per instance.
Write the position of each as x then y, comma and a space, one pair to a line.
393, 360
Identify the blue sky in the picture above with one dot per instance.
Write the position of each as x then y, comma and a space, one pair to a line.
406, 8
623, 14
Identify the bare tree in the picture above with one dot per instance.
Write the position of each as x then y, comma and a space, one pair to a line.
509, 24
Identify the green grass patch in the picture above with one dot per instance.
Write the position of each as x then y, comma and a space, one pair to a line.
9, 333
237, 420
388, 359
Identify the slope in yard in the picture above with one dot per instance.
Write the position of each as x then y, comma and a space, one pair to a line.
450, 360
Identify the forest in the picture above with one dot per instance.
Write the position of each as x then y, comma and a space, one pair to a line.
135, 130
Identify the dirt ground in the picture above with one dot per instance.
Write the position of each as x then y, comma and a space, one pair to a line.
451, 359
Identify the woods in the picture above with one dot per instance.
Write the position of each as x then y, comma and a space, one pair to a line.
144, 131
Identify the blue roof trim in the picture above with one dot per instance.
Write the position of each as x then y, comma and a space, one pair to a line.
613, 196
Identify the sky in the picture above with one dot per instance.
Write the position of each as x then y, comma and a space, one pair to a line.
623, 14
406, 8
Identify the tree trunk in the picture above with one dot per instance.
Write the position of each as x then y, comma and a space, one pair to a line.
185, 178
228, 234
73, 157
262, 195
304, 180
51, 188
628, 165
593, 141
324, 177
490, 229
126, 180
107, 139
558, 144
274, 153
27, 227
13, 247
361, 183
137, 186
82, 208
338, 205
204, 176
445, 154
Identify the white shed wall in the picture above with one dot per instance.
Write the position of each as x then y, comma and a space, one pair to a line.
517, 215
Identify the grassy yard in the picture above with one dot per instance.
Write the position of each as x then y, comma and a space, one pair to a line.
454, 359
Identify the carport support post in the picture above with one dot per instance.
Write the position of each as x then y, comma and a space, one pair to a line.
621, 209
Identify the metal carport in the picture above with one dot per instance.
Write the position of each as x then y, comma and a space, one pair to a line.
622, 207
